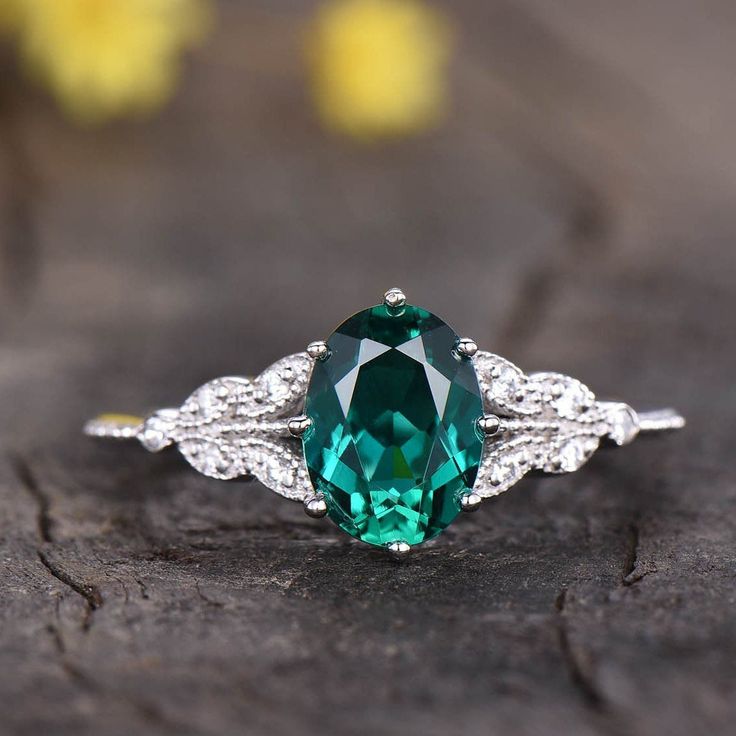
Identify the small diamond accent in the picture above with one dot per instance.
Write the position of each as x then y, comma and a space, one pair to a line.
234, 426
549, 422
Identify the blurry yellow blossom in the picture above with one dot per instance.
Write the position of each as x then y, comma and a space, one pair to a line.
8, 15
378, 66
104, 58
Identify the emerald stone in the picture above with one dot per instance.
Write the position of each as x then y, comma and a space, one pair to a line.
393, 444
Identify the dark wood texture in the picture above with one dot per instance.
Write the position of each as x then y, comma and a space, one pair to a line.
575, 213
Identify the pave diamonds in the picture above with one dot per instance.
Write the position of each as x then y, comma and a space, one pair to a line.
566, 396
280, 388
235, 426
393, 445
501, 382
548, 422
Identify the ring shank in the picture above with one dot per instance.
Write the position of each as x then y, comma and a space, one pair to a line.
114, 426
660, 420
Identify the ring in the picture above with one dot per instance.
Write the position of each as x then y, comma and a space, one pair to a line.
391, 427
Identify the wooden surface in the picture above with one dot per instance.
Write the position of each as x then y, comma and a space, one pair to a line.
575, 213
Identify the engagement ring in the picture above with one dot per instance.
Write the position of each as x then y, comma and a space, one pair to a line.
391, 427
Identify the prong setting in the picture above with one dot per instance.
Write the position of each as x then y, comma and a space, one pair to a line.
489, 424
318, 350
399, 550
470, 502
298, 426
466, 347
394, 298
315, 506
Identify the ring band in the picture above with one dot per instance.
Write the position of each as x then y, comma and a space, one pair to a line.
391, 427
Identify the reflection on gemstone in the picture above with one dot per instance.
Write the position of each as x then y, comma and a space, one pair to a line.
393, 444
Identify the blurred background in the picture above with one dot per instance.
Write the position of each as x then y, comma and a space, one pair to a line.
221, 181
194, 188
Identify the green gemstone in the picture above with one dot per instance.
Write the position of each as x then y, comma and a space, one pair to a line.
393, 445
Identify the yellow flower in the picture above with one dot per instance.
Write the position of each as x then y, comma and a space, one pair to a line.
104, 58
378, 66
8, 15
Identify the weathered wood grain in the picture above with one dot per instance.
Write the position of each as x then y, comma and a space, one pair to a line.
571, 216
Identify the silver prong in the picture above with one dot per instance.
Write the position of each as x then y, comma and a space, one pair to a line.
489, 424
315, 506
299, 425
470, 502
318, 350
394, 297
399, 549
467, 347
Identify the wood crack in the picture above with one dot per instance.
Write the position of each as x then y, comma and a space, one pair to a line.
577, 671
634, 569
72, 672
632, 553
91, 594
44, 523
147, 710
209, 601
27, 479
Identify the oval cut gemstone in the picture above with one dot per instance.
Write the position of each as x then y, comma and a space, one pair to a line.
393, 444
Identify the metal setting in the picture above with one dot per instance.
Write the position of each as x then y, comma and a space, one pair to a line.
399, 549
315, 506
489, 424
394, 298
467, 347
470, 502
249, 427
318, 350
298, 426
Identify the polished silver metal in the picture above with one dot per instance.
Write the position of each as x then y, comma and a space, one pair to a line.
298, 426
489, 424
238, 427
399, 549
467, 347
315, 506
394, 298
470, 502
660, 420
318, 350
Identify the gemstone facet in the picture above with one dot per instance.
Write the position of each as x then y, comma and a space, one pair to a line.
393, 444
